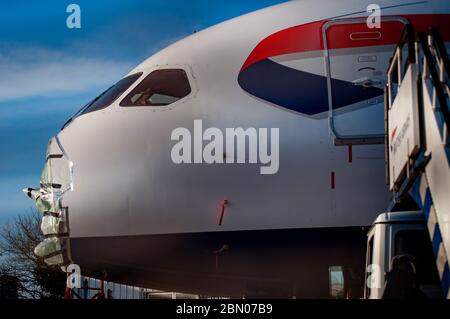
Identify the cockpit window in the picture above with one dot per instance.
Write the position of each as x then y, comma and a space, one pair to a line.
110, 95
159, 88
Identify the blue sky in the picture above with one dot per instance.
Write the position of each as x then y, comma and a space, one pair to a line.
48, 71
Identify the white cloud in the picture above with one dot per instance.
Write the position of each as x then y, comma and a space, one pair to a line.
36, 72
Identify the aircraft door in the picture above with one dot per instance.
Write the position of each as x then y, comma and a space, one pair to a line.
356, 59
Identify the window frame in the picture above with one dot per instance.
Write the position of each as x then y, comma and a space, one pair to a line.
155, 108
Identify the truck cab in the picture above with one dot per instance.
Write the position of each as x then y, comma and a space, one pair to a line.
400, 236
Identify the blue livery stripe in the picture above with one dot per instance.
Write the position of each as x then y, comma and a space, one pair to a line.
300, 91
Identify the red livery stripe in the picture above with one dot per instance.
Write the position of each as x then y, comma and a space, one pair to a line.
308, 37
301, 38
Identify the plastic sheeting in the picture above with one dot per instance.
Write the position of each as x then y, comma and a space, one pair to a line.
52, 225
43, 198
55, 260
56, 179
47, 247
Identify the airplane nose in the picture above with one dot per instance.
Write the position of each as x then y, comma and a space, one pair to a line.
56, 179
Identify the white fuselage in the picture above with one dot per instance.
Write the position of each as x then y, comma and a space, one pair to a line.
126, 184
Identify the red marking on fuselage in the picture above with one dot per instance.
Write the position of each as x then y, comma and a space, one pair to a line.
333, 180
350, 153
222, 210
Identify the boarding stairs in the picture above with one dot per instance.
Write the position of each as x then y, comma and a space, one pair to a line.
417, 122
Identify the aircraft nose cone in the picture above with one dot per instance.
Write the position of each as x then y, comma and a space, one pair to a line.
55, 181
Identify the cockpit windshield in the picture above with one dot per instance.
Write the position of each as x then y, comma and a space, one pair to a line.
107, 97
110, 95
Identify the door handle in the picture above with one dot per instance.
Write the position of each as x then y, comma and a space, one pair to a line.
370, 82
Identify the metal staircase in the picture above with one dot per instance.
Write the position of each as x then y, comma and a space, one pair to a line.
417, 115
